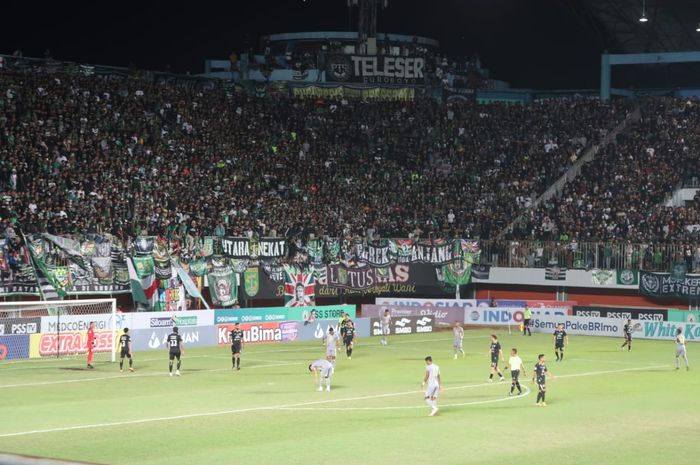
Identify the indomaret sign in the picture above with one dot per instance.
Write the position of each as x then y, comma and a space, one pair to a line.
378, 69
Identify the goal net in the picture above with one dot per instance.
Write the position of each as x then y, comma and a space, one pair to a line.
57, 329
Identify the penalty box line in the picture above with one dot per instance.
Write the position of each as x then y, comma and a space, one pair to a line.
285, 406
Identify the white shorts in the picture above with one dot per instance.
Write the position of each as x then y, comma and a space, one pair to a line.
432, 390
327, 373
331, 352
457, 344
385, 330
680, 351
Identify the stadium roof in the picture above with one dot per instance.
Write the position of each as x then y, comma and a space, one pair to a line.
671, 25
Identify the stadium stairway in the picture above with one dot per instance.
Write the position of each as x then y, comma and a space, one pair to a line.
571, 174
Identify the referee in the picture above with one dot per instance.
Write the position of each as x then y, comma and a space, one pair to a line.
515, 363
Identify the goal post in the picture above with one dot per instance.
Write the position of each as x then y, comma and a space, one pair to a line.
58, 329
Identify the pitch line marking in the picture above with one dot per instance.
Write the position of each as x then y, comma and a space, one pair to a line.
405, 407
138, 375
284, 406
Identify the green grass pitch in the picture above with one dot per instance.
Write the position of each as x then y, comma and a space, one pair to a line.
604, 406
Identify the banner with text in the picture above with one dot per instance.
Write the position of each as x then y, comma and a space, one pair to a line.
375, 69
666, 285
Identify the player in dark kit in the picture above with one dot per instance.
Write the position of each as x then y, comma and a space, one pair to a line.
344, 325
174, 343
496, 353
236, 338
561, 340
627, 332
540, 374
349, 338
125, 350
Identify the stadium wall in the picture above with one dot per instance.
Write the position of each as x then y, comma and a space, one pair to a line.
149, 330
583, 296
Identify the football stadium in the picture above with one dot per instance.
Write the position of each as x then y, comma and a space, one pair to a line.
350, 231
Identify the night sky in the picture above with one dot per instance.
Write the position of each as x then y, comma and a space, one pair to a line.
529, 43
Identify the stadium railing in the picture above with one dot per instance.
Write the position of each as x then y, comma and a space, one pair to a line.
586, 255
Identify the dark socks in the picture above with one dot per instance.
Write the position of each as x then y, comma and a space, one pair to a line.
491, 376
238, 362
121, 364
178, 365
131, 362
233, 362
171, 366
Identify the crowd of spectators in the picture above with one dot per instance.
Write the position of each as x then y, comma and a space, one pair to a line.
128, 157
623, 194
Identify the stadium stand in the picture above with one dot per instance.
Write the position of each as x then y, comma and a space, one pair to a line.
127, 157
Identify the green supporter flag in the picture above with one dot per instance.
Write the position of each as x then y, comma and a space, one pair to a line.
627, 277
52, 280
458, 273
223, 286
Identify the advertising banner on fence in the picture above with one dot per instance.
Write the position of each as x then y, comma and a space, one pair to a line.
146, 320
74, 323
67, 343
405, 325
412, 302
155, 338
496, 316
666, 285
444, 316
303, 314
667, 331
261, 333
578, 325
599, 326
20, 325
375, 69
319, 329
688, 316
14, 346
657, 314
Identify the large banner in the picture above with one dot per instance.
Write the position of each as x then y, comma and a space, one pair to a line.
396, 279
656, 314
599, 326
404, 325
303, 314
444, 316
337, 281
666, 285
498, 316
266, 247
375, 69
155, 338
94, 265
14, 346
261, 333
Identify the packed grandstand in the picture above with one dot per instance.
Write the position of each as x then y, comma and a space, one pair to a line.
108, 154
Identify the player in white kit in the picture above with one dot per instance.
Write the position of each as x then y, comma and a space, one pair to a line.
386, 323
434, 384
331, 342
457, 346
322, 369
681, 350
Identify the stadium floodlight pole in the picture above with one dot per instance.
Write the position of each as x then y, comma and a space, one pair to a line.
644, 18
